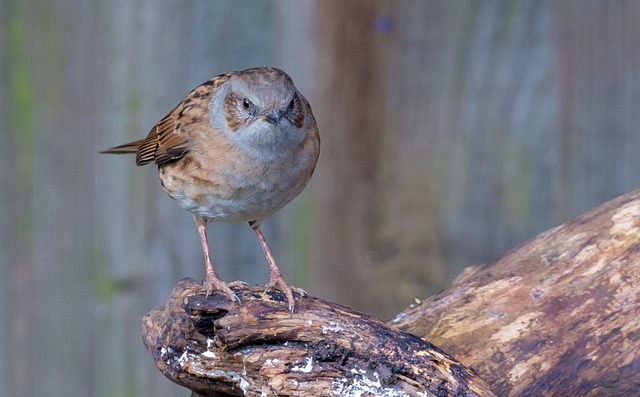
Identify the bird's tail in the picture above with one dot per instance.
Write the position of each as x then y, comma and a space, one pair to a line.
131, 147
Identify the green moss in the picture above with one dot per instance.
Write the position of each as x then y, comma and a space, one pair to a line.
20, 124
105, 286
21, 95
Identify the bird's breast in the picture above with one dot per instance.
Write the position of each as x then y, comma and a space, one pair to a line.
233, 186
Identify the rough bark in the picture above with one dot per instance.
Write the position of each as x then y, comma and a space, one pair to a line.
556, 316
211, 346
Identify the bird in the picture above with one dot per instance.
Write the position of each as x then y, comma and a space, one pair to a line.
237, 148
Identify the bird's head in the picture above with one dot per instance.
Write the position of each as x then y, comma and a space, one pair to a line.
260, 107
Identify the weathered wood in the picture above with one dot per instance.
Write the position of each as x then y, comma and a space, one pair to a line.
209, 344
557, 316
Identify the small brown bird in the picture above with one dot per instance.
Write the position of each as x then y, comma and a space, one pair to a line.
236, 149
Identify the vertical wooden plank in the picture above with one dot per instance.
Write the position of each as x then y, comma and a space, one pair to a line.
597, 58
15, 152
351, 84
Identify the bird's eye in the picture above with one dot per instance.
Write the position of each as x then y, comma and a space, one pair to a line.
292, 104
246, 103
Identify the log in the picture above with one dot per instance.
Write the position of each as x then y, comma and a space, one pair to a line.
557, 316
216, 347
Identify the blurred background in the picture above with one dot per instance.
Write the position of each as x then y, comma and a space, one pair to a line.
451, 132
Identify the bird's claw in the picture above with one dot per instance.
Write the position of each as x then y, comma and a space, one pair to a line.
218, 285
276, 280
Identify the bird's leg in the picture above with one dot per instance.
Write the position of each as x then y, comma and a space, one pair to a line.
275, 277
213, 281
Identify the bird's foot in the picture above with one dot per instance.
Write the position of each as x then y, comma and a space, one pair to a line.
276, 280
214, 284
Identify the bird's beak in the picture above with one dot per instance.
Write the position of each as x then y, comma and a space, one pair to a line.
272, 116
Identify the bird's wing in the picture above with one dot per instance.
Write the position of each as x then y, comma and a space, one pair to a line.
169, 139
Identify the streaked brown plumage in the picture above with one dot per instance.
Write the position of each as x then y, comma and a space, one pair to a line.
236, 149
